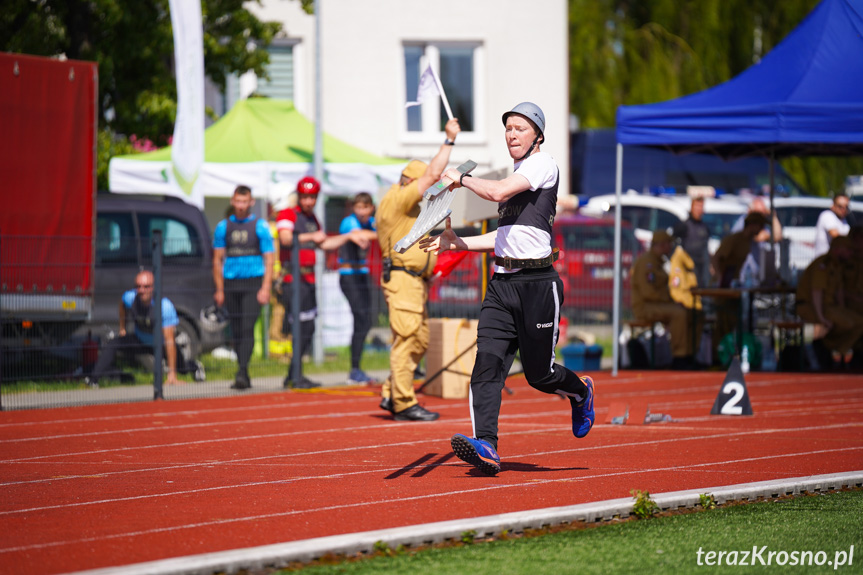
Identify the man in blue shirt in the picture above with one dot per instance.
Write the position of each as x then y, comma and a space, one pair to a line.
243, 273
137, 305
354, 278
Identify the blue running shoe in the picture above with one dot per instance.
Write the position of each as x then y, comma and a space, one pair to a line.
477, 452
583, 415
359, 377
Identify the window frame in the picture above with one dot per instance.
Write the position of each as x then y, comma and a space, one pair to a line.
431, 112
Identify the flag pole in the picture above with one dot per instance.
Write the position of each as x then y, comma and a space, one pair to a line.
442, 93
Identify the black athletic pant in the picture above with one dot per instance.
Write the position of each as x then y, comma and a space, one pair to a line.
308, 313
129, 345
241, 301
358, 291
520, 313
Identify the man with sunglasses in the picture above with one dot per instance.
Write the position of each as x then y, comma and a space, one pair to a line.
137, 305
831, 224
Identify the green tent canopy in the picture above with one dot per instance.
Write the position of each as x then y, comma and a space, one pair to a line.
259, 143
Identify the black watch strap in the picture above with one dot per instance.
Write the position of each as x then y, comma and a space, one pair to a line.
449, 142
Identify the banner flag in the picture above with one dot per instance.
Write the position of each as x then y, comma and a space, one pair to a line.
427, 88
187, 147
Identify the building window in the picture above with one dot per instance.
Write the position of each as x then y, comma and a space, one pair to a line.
281, 72
456, 67
279, 85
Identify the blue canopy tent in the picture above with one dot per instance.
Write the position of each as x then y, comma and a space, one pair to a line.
805, 97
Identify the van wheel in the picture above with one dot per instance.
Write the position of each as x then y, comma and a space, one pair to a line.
188, 341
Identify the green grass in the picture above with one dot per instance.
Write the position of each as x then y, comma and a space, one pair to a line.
831, 523
335, 360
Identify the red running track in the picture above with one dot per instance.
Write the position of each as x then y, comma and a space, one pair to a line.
93, 487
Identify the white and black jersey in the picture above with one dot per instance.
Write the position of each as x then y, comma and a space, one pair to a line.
526, 219
521, 309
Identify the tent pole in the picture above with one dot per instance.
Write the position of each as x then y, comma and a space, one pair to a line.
615, 322
320, 207
772, 170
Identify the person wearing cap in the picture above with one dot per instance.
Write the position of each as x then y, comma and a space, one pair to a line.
734, 249
758, 205
242, 272
405, 280
728, 264
771, 232
521, 309
652, 301
311, 236
821, 300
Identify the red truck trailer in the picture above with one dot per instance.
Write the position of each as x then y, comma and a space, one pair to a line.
48, 126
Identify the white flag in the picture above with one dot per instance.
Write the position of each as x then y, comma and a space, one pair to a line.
427, 89
187, 147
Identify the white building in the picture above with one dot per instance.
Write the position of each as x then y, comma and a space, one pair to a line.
490, 55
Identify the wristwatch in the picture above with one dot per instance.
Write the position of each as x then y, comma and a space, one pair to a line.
449, 142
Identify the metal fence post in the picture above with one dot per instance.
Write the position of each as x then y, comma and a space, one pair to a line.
296, 335
158, 339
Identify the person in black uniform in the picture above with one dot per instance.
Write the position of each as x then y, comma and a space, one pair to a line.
242, 273
694, 235
521, 309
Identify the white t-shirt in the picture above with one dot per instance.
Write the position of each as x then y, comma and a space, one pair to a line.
828, 220
524, 239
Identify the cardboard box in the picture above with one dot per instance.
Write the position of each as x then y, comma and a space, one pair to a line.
449, 337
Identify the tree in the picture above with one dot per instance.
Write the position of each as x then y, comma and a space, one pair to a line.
133, 44
132, 41
624, 52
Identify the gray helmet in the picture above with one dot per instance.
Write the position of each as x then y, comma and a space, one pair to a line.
530, 111
214, 318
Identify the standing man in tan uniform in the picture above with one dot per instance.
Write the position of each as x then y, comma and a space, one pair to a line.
651, 299
405, 281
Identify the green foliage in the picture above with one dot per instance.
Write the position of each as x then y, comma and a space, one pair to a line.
644, 507
627, 53
109, 145
468, 537
707, 501
630, 53
823, 176
133, 44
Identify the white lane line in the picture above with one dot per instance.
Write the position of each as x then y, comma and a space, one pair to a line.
414, 498
607, 383
666, 405
340, 399
376, 470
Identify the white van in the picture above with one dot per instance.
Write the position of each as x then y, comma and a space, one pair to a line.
646, 213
